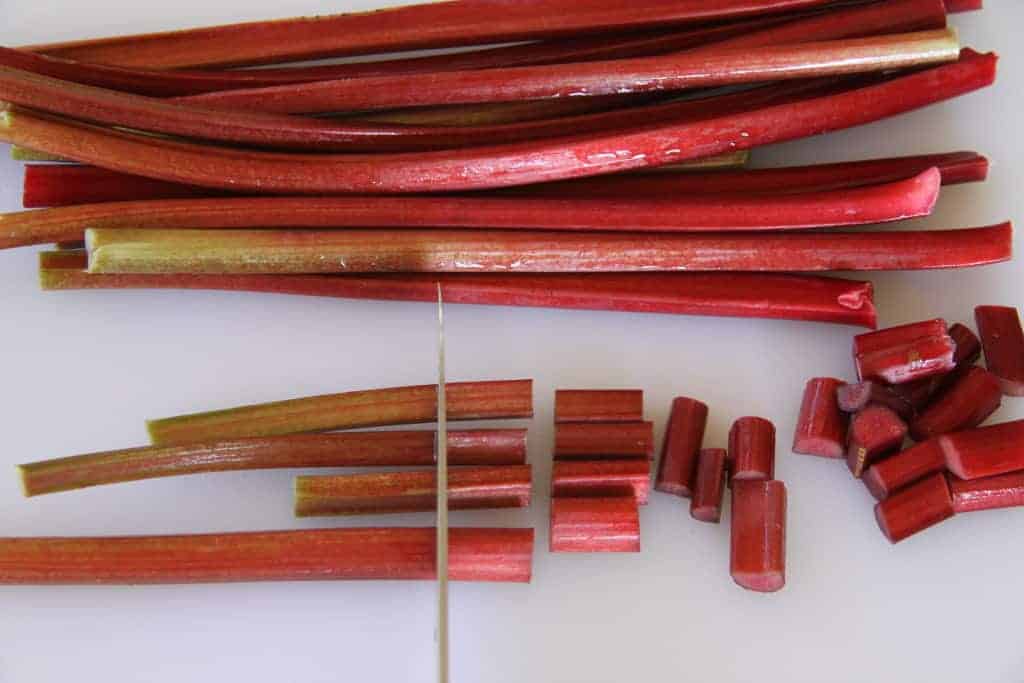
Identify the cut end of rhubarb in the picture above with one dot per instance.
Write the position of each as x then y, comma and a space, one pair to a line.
760, 582
23, 478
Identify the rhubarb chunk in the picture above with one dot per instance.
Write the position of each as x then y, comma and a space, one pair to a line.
821, 427
683, 438
587, 440
966, 404
1003, 341
595, 525
920, 392
988, 493
599, 405
874, 433
752, 449
709, 487
903, 469
985, 452
905, 353
853, 398
601, 479
915, 508
758, 553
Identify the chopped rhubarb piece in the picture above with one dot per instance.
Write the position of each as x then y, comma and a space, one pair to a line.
920, 392
903, 469
752, 449
595, 525
601, 479
853, 398
966, 404
758, 553
985, 452
599, 405
874, 433
709, 485
987, 493
885, 339
1003, 341
821, 427
915, 508
586, 440
953, 6
904, 353
684, 435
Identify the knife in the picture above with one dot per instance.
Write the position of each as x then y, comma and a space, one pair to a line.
442, 501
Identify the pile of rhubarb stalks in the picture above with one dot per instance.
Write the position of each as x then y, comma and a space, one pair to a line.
584, 163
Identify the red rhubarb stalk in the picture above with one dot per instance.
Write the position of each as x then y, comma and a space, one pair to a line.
368, 408
709, 485
915, 508
58, 185
599, 405
601, 479
919, 393
874, 433
317, 554
595, 525
751, 449
901, 354
985, 452
853, 398
966, 404
482, 167
680, 449
758, 531
821, 426
469, 488
989, 493
1003, 341
953, 6
489, 447
903, 469
795, 297
576, 440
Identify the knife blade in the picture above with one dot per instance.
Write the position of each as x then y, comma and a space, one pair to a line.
442, 501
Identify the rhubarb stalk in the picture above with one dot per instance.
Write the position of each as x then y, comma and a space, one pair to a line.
874, 433
985, 452
709, 485
751, 449
903, 469
601, 479
599, 405
680, 449
966, 404
758, 535
915, 508
901, 354
595, 525
586, 440
821, 426
989, 493
1003, 342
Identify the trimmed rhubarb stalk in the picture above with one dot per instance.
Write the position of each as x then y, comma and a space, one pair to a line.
680, 449
709, 485
953, 6
985, 452
821, 426
796, 297
585, 440
675, 71
595, 525
901, 354
489, 447
915, 508
369, 408
874, 433
689, 213
522, 251
469, 488
309, 555
903, 469
751, 449
757, 560
965, 405
989, 493
919, 393
853, 398
599, 405
1003, 341
508, 165
601, 479
53, 185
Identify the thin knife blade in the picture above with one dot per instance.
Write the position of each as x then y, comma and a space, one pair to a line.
442, 501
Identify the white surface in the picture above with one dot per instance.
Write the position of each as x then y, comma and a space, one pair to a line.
83, 370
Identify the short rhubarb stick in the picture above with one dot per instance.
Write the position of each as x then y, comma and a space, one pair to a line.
587, 440
709, 485
595, 525
905, 353
1003, 341
919, 393
915, 508
954, 6
601, 479
989, 493
874, 433
821, 426
320, 554
599, 405
985, 452
54, 185
680, 450
751, 449
343, 449
903, 469
469, 488
758, 548
966, 404
853, 398
369, 408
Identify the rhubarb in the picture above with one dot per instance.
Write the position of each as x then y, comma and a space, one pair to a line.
680, 449
989, 493
963, 5
901, 354
918, 393
58, 185
966, 404
903, 469
601, 479
469, 488
1003, 341
594, 525
599, 405
914, 508
709, 485
369, 408
345, 449
874, 433
758, 548
985, 452
586, 440
751, 449
853, 398
309, 555
821, 426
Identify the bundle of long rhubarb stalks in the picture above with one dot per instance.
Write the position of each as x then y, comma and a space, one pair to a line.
582, 166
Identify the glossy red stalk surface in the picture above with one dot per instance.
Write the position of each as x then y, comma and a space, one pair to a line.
595, 525
874, 433
919, 393
758, 535
855, 397
986, 451
586, 440
966, 404
821, 425
915, 508
751, 449
1003, 342
709, 485
599, 405
989, 493
601, 479
680, 450
902, 469
905, 353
